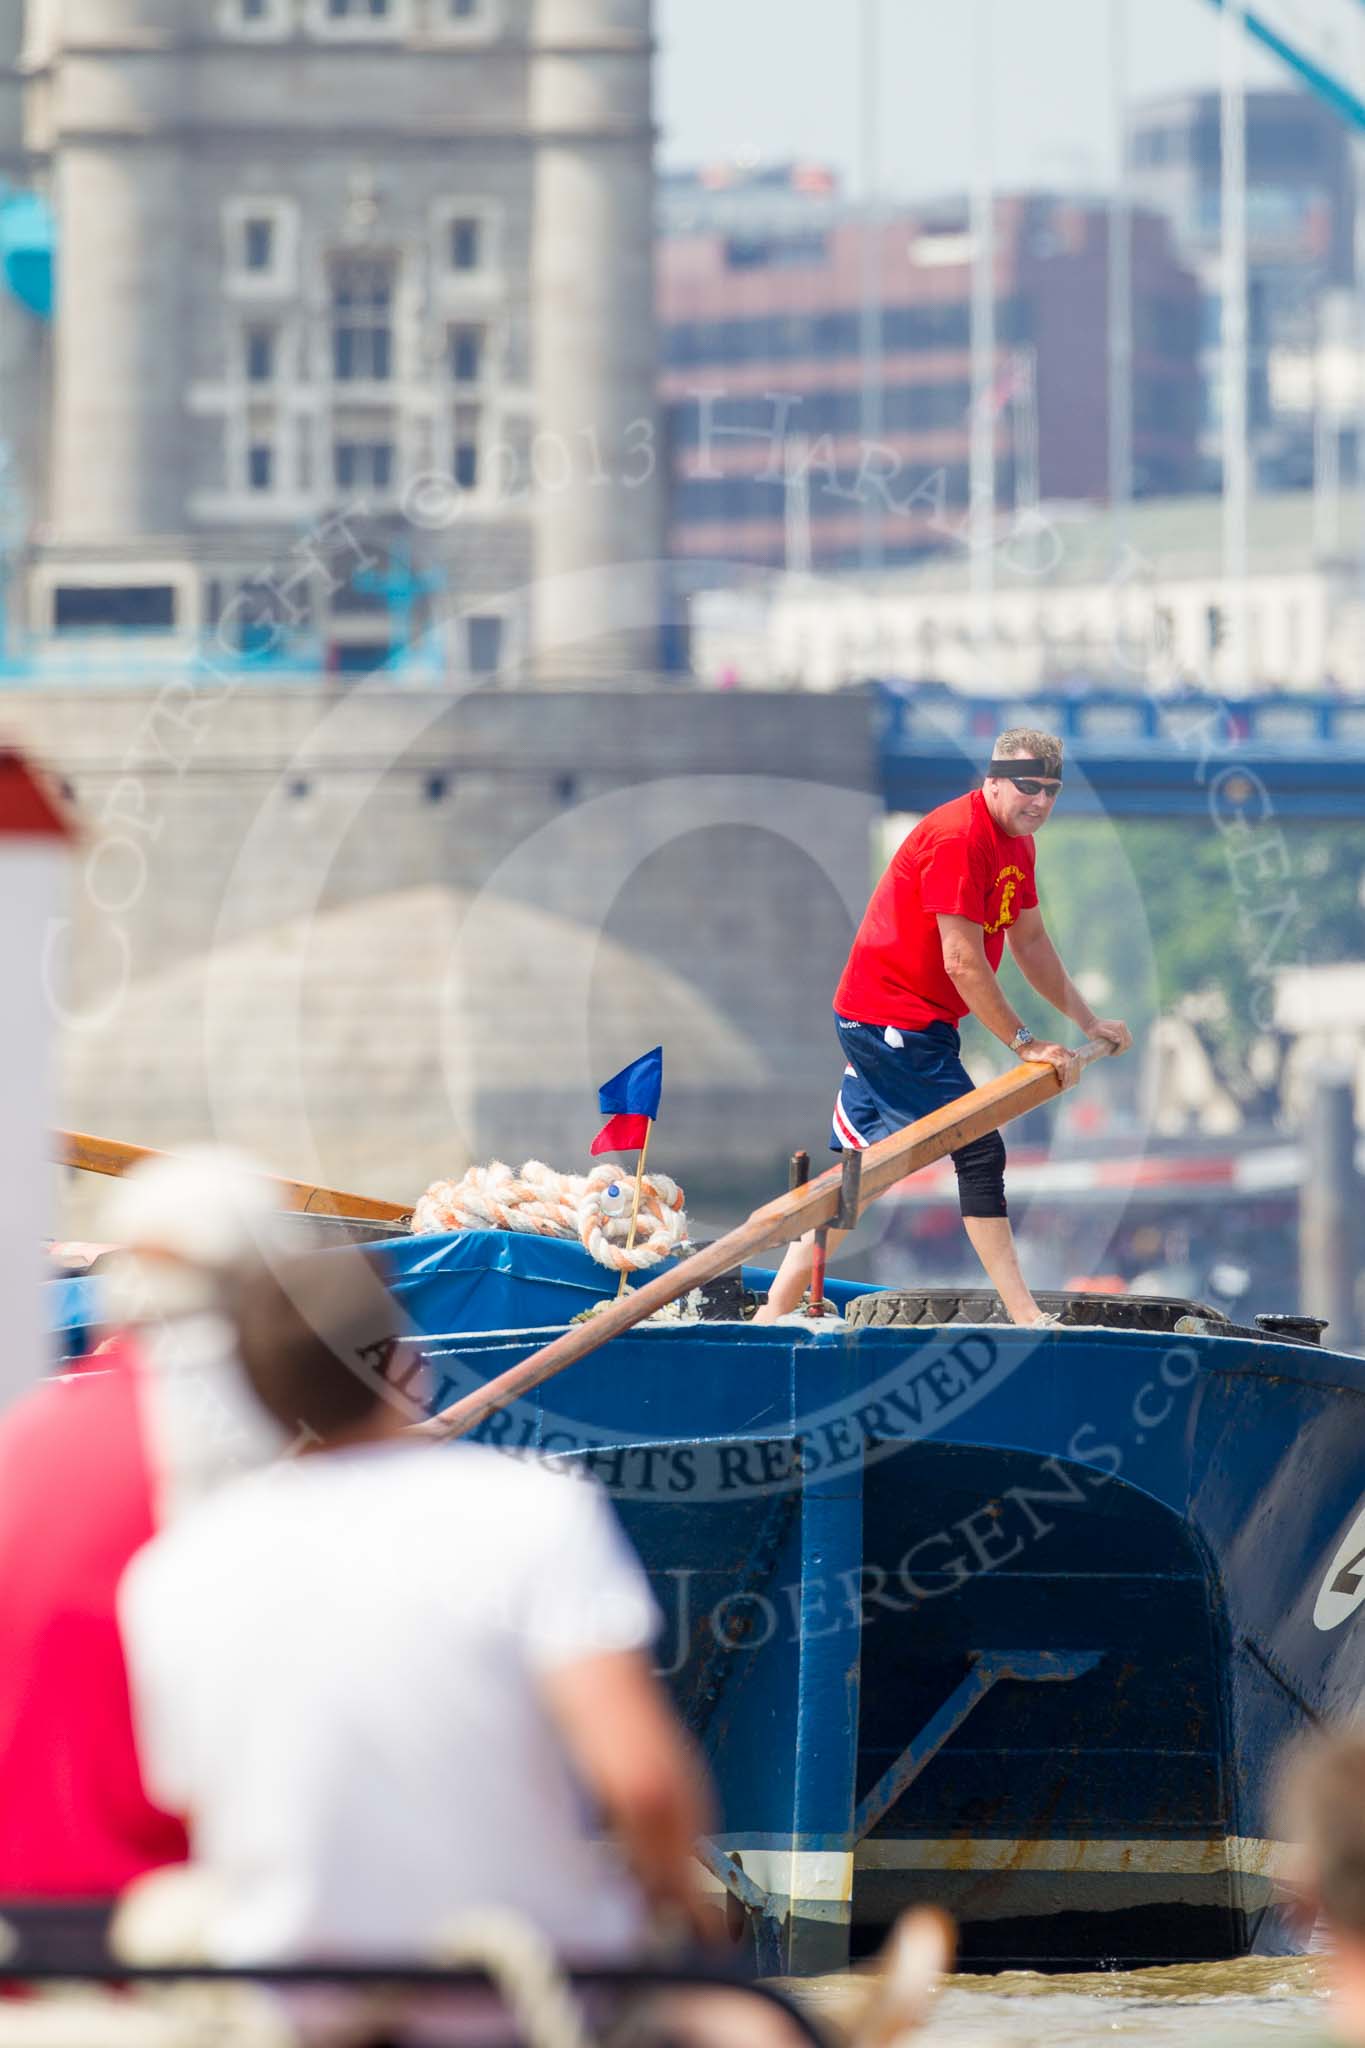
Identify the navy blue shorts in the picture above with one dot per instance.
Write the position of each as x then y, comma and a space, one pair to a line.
893, 1077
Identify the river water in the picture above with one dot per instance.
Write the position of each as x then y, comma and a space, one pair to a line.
1194, 2005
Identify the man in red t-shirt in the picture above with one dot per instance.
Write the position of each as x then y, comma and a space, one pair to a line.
926, 953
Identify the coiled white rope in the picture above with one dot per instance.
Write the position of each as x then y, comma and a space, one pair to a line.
523, 1967
164, 1918
594, 1208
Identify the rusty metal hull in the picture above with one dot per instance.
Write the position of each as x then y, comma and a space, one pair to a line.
1016, 1623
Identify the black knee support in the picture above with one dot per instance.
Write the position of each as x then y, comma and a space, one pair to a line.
981, 1176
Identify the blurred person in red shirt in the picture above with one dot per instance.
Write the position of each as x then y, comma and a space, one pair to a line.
92, 1463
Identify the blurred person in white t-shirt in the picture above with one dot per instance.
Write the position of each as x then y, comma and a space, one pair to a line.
388, 1685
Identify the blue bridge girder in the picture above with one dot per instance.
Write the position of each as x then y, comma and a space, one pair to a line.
1287, 757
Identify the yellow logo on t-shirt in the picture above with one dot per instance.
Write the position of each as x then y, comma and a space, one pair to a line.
1010, 878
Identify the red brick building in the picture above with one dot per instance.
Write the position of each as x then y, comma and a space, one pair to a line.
763, 335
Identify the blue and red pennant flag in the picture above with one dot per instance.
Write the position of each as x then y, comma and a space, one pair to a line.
630, 1102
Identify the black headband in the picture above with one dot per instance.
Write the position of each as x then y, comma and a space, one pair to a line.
1022, 764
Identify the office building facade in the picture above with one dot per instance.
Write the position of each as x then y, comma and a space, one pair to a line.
786, 452
1300, 229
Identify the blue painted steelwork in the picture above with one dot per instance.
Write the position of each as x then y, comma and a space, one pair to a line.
28, 258
401, 586
1298, 756
988, 1668
751, 1583
1162, 1513
760, 1904
1324, 84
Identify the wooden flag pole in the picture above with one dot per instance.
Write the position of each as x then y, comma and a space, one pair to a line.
818, 1202
635, 1205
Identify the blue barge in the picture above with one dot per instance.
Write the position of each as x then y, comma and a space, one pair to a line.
1016, 1623
1011, 1622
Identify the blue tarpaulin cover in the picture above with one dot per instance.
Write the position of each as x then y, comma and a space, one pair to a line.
491, 1280
73, 1315
471, 1280
504, 1280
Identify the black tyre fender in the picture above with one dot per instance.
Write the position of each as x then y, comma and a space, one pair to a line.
915, 1308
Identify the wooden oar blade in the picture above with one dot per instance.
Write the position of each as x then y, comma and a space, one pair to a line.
296, 1197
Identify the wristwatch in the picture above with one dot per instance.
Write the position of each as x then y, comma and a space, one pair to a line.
1022, 1037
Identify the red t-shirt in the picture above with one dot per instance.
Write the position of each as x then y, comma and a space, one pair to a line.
75, 1503
956, 861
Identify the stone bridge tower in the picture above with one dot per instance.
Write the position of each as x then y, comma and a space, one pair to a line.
107, 114
320, 253
600, 532
11, 90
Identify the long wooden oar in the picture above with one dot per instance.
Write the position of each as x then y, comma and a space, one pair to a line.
791, 1215
109, 1155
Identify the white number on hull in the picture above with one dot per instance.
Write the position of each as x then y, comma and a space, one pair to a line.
1343, 1586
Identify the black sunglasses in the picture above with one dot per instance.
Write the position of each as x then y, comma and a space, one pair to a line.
1028, 785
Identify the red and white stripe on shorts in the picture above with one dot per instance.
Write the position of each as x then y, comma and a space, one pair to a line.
850, 1139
